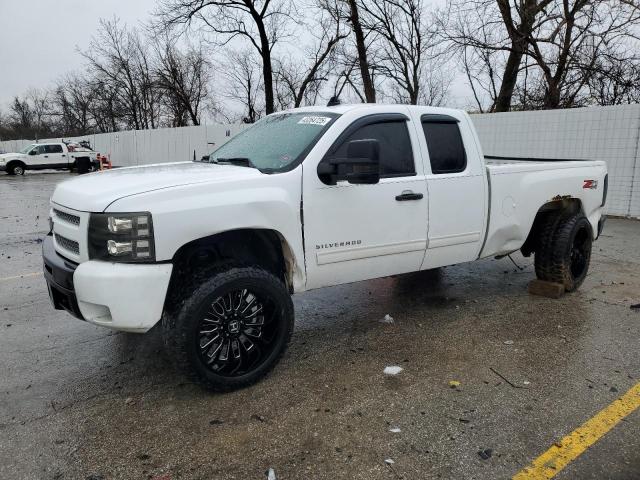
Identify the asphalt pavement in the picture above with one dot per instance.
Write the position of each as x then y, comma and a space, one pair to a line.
491, 376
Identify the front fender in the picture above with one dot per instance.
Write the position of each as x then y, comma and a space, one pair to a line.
186, 213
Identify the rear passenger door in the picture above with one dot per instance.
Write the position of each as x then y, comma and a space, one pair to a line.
457, 188
54, 156
357, 232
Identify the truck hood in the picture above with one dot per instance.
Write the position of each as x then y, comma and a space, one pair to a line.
11, 156
95, 191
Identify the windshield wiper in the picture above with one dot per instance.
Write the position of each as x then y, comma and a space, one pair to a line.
240, 161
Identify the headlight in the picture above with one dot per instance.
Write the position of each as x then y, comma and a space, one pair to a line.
121, 237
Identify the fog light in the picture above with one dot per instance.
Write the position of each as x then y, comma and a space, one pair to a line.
119, 248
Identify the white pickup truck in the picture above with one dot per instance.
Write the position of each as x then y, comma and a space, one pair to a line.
45, 156
304, 199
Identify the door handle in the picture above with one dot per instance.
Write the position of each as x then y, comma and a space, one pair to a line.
409, 196
46, 156
63, 155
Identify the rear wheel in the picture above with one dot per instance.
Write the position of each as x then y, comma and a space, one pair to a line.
231, 329
564, 252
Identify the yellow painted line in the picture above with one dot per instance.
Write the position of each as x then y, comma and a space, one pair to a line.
24, 275
573, 445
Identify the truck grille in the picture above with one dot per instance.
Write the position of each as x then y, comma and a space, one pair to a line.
67, 217
69, 245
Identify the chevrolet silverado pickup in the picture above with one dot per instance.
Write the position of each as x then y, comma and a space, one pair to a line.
55, 156
304, 199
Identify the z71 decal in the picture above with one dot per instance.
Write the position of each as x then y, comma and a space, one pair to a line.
592, 184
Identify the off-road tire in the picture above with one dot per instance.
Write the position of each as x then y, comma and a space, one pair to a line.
564, 250
16, 169
182, 324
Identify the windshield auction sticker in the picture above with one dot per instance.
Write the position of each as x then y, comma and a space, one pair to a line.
314, 120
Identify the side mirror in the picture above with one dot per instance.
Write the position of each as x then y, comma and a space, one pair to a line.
33, 152
362, 165
205, 158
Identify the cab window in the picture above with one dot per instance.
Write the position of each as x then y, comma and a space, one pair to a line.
53, 149
445, 145
396, 155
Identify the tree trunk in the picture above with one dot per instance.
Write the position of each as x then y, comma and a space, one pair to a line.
367, 83
509, 80
267, 69
552, 96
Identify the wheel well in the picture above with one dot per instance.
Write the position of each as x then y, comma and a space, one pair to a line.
258, 247
555, 207
16, 162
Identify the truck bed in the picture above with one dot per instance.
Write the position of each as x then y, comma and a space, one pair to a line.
502, 164
519, 186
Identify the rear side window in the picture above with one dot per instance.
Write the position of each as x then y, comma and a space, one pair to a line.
396, 155
53, 148
446, 149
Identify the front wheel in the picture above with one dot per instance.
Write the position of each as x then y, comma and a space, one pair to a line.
231, 329
16, 169
565, 255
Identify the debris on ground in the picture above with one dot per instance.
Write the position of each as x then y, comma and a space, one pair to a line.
454, 384
485, 454
505, 378
508, 342
395, 430
392, 370
216, 422
389, 461
527, 382
260, 418
387, 319
129, 401
271, 474
635, 307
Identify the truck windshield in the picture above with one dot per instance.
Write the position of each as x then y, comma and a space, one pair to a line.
27, 148
276, 143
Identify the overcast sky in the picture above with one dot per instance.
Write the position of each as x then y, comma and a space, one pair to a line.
39, 39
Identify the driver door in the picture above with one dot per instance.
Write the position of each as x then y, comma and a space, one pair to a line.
358, 232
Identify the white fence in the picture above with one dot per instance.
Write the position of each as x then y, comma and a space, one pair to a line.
601, 133
140, 147
611, 134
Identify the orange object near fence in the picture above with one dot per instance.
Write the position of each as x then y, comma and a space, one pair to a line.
105, 162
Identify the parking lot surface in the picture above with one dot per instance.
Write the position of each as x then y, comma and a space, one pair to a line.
491, 377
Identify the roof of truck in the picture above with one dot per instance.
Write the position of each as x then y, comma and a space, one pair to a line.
344, 108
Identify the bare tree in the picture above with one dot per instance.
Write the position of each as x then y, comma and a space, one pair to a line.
72, 99
262, 23
571, 37
491, 37
362, 51
184, 77
30, 116
404, 47
299, 80
614, 82
119, 60
244, 84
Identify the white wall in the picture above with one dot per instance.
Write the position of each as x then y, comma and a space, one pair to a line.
600, 133
139, 147
596, 133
